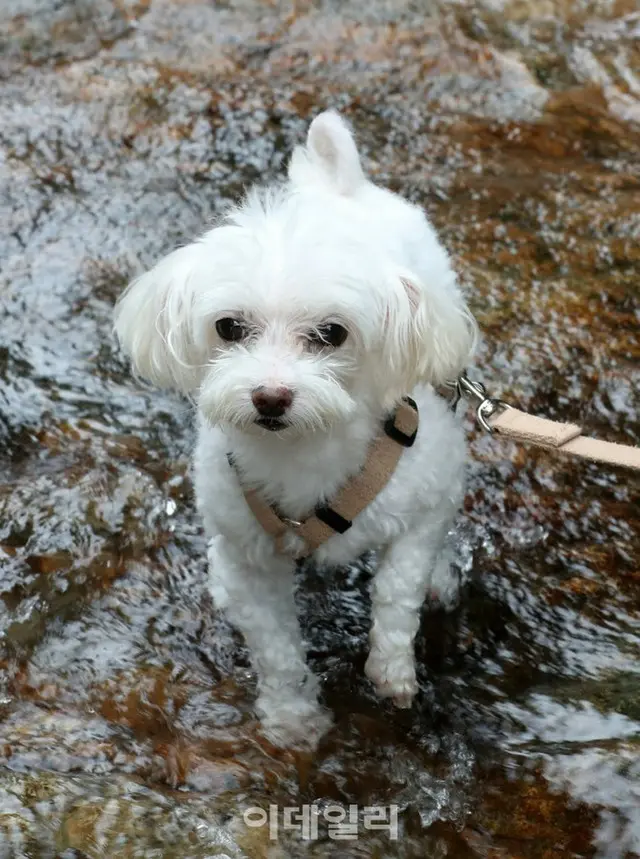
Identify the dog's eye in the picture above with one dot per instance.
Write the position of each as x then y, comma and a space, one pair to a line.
231, 329
330, 334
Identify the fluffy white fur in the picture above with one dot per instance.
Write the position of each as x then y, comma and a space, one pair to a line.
326, 246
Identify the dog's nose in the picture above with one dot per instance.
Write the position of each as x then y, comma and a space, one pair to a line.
272, 402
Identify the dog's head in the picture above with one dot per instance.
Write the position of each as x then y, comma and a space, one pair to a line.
310, 300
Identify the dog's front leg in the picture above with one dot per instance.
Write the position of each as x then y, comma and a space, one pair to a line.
259, 601
412, 565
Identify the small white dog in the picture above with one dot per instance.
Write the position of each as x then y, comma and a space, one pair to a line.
298, 324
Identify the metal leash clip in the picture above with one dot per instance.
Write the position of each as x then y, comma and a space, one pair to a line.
477, 393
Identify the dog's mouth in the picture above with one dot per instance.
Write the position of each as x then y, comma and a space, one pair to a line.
272, 424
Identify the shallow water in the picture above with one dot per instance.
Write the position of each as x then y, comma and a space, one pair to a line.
126, 725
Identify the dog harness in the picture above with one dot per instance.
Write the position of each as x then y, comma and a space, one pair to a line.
336, 516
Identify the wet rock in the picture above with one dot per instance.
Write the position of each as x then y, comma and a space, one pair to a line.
121, 827
29, 806
39, 34
214, 778
126, 720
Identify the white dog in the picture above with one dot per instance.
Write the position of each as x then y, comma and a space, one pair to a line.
298, 324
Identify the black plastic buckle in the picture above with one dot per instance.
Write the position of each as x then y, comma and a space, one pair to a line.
334, 520
397, 435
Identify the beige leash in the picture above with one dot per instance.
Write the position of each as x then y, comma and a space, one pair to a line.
497, 416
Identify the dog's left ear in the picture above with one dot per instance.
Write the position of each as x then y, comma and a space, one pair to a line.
430, 332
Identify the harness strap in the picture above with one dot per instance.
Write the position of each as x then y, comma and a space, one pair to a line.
337, 515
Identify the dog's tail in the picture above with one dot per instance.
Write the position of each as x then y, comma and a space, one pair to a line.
329, 158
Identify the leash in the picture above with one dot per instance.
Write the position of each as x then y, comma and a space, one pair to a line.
496, 416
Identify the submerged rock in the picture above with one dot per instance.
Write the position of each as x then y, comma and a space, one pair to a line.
126, 722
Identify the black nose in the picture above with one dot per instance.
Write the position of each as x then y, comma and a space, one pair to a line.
272, 402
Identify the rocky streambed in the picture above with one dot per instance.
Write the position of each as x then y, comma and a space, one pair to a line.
126, 726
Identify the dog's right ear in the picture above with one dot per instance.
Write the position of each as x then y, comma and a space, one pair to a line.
155, 326
330, 156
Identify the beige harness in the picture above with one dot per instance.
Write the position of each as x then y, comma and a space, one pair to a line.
400, 431
337, 515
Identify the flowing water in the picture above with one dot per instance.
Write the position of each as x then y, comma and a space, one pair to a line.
126, 724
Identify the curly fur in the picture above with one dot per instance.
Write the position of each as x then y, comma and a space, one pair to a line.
325, 247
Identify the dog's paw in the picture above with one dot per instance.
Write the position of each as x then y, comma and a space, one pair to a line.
393, 675
293, 723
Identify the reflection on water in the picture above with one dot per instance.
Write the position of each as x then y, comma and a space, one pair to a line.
126, 724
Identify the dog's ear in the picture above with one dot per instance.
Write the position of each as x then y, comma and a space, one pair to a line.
430, 333
330, 156
154, 323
